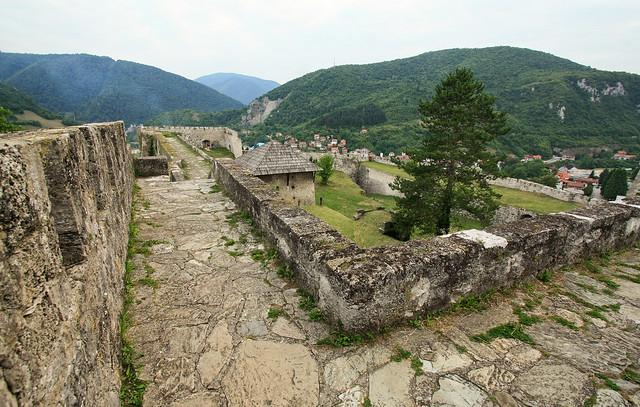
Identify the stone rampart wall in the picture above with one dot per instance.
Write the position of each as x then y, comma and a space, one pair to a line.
528, 186
217, 136
372, 288
375, 181
150, 166
65, 205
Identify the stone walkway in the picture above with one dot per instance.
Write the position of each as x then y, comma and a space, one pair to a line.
218, 328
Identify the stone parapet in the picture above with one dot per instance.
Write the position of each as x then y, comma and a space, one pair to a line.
368, 289
529, 186
151, 166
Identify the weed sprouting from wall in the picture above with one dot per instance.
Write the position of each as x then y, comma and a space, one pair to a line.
132, 387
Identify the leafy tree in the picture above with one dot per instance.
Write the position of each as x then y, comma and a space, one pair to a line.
634, 173
615, 184
588, 190
5, 126
326, 168
451, 167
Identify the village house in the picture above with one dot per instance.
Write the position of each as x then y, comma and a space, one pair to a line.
623, 155
286, 170
531, 157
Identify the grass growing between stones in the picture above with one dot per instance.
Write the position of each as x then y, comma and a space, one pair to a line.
308, 303
132, 387
633, 279
214, 189
341, 339
608, 382
565, 322
401, 354
631, 376
285, 272
274, 313
510, 330
235, 218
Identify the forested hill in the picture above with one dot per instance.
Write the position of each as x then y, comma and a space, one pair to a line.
243, 88
552, 102
92, 88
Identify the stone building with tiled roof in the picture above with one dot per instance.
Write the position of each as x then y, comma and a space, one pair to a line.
288, 171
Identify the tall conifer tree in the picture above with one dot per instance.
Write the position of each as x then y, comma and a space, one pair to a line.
451, 168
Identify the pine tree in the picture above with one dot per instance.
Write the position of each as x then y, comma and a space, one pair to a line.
451, 167
603, 177
616, 184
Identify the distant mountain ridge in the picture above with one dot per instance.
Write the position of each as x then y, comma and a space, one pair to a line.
93, 88
243, 88
552, 102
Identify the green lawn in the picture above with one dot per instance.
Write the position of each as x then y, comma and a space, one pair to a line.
219, 152
341, 197
532, 201
389, 169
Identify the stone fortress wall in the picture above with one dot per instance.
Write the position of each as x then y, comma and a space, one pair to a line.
528, 186
65, 206
216, 136
368, 289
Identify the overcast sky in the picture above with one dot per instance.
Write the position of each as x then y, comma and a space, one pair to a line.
283, 39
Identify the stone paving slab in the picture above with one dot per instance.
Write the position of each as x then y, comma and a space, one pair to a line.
207, 337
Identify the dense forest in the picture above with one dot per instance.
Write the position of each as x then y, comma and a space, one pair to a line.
92, 88
548, 102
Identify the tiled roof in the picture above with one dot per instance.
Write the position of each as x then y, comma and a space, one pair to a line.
275, 158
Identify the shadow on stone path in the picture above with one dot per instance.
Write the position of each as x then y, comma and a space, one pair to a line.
207, 339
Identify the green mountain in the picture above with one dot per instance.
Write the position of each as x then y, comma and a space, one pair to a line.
92, 88
18, 102
26, 113
240, 87
552, 102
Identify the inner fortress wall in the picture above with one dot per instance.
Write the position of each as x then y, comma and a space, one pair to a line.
368, 289
217, 136
65, 207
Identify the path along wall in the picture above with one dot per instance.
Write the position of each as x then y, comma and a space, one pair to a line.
371, 288
528, 186
65, 205
216, 136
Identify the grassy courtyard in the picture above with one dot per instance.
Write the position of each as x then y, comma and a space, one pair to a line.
342, 197
532, 201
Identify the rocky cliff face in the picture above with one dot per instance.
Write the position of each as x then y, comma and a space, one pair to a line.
65, 205
259, 110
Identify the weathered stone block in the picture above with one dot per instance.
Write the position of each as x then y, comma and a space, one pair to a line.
151, 166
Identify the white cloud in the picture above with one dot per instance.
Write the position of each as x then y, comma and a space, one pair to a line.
282, 39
